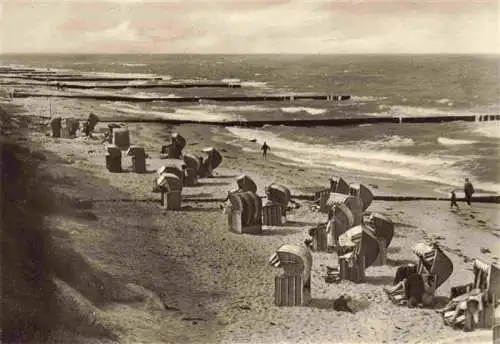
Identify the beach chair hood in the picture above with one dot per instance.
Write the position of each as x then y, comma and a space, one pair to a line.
246, 183
364, 240
278, 193
175, 166
363, 193
382, 226
169, 181
213, 157
339, 185
178, 140
492, 275
192, 162
436, 261
293, 259
342, 218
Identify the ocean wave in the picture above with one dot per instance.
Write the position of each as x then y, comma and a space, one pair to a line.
246, 83
311, 111
390, 141
446, 101
370, 161
489, 129
452, 142
235, 108
367, 98
133, 64
175, 114
399, 110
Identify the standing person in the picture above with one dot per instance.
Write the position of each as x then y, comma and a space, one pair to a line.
264, 149
453, 200
468, 191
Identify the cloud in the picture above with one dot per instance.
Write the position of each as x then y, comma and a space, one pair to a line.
121, 32
251, 26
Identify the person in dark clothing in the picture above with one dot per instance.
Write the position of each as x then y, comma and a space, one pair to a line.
468, 191
454, 200
264, 149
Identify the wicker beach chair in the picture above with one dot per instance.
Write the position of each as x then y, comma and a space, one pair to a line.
475, 309
363, 241
293, 287
244, 210
433, 266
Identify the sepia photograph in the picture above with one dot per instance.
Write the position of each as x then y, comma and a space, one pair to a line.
249, 171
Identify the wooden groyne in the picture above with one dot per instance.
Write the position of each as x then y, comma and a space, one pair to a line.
329, 122
192, 99
60, 78
136, 86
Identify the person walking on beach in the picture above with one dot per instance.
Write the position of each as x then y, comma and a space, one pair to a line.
453, 200
264, 149
468, 191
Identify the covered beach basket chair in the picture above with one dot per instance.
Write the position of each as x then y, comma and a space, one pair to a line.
476, 308
177, 167
192, 167
351, 202
293, 287
244, 211
364, 195
433, 265
169, 186
212, 160
383, 227
245, 183
114, 159
138, 155
278, 197
359, 250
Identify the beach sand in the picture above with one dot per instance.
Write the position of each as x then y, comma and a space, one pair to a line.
182, 277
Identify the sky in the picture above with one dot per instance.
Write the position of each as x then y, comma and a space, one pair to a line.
250, 26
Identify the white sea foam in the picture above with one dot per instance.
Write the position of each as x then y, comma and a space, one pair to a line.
367, 98
452, 142
489, 129
234, 108
133, 64
259, 84
177, 114
389, 141
368, 160
311, 111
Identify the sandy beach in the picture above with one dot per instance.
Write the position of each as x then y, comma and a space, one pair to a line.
147, 275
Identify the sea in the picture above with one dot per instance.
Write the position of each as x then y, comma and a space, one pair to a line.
379, 85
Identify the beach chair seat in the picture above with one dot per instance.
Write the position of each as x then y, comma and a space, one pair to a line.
179, 141
192, 167
278, 194
364, 241
339, 185
121, 137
